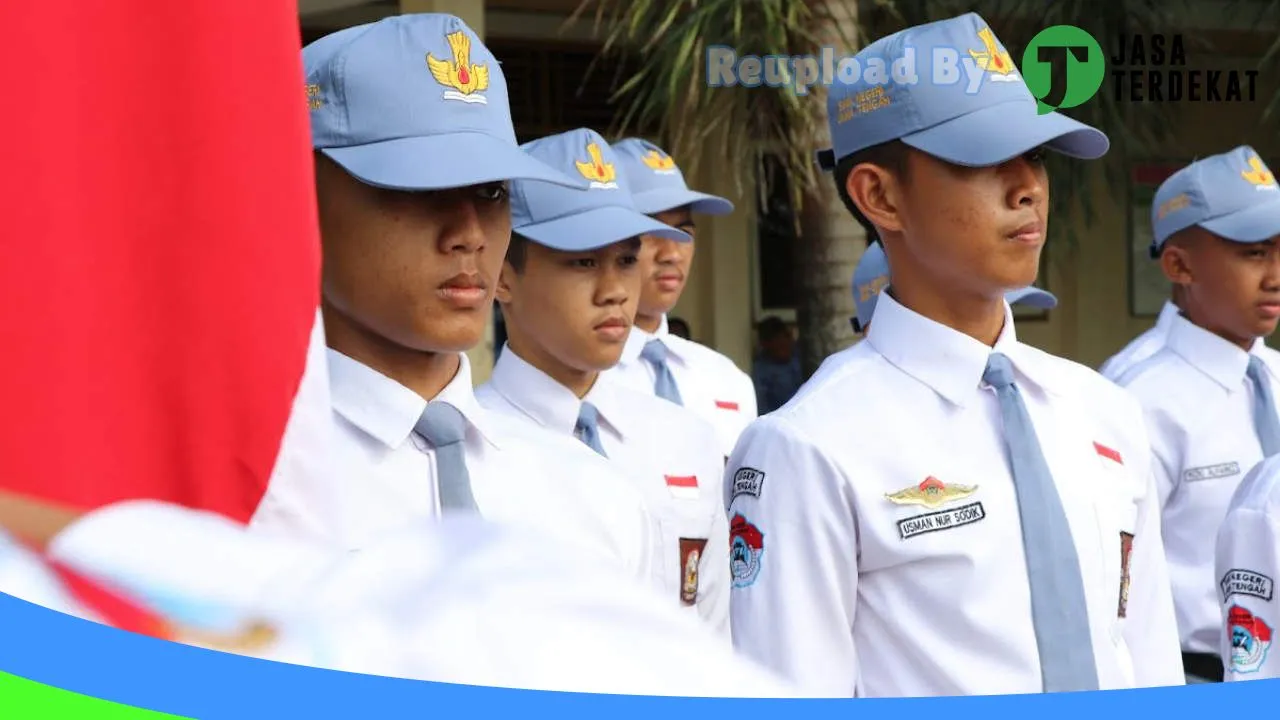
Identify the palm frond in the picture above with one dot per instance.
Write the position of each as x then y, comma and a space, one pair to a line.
669, 92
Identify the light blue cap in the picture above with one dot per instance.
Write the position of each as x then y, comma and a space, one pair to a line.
926, 98
657, 185
1232, 195
869, 278
415, 102
573, 220
1032, 296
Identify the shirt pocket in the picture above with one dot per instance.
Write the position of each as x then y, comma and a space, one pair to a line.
1117, 521
685, 529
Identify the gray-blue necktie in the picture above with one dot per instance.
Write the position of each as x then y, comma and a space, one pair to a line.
588, 429
664, 383
1059, 610
1265, 421
444, 428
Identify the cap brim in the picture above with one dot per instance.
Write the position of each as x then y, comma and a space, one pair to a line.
662, 200
999, 133
596, 228
1250, 225
440, 162
1032, 297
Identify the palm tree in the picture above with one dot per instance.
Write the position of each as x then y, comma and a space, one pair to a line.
774, 127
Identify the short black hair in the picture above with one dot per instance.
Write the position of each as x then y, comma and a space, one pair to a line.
891, 156
518, 251
771, 327
676, 325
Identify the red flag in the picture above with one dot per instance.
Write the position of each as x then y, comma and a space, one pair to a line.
159, 254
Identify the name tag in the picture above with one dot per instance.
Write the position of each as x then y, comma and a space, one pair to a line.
941, 520
1211, 472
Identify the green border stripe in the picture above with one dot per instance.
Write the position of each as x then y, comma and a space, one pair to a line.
21, 699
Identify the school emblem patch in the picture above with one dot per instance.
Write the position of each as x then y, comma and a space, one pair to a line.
659, 163
690, 558
601, 174
1258, 175
1126, 551
1250, 640
994, 59
746, 546
465, 80
931, 493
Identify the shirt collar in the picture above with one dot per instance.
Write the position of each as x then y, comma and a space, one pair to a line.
1216, 358
638, 338
948, 361
549, 403
387, 410
1167, 314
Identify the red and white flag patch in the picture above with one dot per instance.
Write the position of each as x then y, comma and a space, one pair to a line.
683, 486
1108, 453
727, 405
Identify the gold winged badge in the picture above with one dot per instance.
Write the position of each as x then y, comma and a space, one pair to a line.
993, 59
659, 163
466, 80
931, 493
601, 174
1258, 174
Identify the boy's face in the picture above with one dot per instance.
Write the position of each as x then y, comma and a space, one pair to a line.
573, 308
416, 269
664, 264
980, 230
1232, 288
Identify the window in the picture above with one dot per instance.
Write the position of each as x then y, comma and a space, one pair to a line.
551, 90
776, 239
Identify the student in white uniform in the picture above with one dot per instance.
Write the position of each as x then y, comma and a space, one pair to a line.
654, 360
1209, 392
1146, 344
1247, 561
414, 146
568, 292
871, 275
984, 522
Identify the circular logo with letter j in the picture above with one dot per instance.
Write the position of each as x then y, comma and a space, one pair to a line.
1063, 67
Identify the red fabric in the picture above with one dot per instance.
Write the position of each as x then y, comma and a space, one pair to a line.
159, 255
1108, 453
112, 607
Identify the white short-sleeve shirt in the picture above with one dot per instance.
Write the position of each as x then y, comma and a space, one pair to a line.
1246, 565
1141, 347
711, 385
519, 474
1199, 410
669, 454
850, 581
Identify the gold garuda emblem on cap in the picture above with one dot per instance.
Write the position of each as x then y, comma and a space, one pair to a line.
658, 162
1258, 174
465, 79
993, 58
600, 173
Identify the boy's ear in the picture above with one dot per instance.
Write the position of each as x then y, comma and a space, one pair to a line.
506, 277
1176, 265
875, 191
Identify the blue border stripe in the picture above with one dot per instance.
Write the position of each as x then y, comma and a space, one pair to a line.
94, 660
